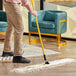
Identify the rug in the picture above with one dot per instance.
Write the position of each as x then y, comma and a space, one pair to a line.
31, 51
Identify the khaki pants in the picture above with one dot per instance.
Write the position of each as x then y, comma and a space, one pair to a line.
15, 25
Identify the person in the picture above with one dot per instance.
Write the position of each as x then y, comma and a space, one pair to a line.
15, 25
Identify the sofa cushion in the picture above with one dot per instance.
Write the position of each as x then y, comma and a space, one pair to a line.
44, 24
2, 23
3, 26
49, 16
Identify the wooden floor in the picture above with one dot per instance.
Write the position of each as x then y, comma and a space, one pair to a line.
67, 51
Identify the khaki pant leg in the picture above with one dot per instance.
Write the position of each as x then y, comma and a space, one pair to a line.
14, 13
8, 37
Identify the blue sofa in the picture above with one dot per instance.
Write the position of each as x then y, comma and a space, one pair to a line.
52, 23
3, 22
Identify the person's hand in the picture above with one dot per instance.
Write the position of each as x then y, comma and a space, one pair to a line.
34, 13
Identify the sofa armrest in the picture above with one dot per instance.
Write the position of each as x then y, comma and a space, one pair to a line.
61, 19
3, 16
31, 18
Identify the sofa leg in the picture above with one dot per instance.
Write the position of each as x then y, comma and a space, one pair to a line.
59, 39
29, 37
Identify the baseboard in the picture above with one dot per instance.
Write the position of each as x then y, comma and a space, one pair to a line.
70, 39
38, 35
25, 33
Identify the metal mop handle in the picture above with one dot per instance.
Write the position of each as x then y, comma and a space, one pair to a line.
39, 33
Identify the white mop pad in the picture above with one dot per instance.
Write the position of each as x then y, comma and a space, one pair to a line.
41, 66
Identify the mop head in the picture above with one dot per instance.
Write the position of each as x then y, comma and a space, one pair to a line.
46, 62
9, 59
40, 67
6, 59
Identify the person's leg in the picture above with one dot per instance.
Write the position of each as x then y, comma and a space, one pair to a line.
16, 20
7, 44
8, 37
18, 35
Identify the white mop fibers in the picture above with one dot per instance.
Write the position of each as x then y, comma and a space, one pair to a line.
41, 66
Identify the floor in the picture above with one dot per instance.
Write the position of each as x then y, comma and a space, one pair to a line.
67, 51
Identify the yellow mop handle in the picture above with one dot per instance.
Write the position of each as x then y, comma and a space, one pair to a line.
38, 29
